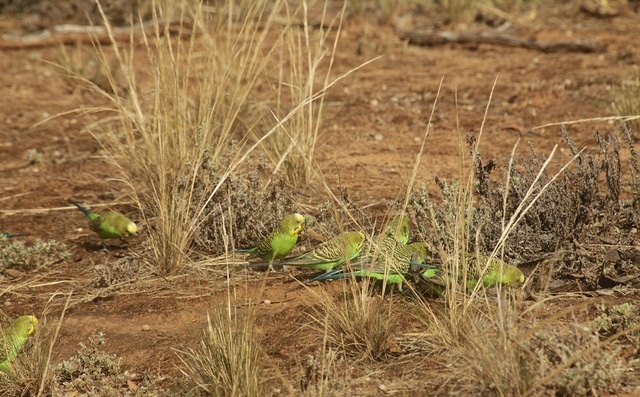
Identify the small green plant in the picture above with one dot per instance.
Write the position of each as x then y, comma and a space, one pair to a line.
88, 365
226, 361
40, 254
614, 319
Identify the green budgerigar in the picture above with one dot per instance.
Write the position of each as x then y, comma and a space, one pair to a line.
13, 338
111, 224
497, 273
280, 242
331, 253
391, 264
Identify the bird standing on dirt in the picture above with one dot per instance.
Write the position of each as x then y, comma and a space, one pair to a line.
280, 242
111, 224
372, 263
497, 273
13, 338
394, 262
331, 253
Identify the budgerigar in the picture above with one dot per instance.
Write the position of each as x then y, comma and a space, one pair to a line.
13, 339
111, 224
389, 259
331, 253
393, 263
497, 273
399, 229
280, 242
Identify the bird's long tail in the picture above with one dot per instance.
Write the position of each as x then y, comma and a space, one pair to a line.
11, 235
81, 208
330, 275
244, 250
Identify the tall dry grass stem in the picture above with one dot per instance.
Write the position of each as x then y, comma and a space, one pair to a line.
226, 361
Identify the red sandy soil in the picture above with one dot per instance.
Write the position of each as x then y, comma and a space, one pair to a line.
373, 129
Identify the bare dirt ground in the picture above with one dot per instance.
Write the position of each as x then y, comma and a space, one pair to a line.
373, 129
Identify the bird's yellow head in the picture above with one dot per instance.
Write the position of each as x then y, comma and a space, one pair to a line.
295, 223
26, 324
359, 239
132, 229
513, 276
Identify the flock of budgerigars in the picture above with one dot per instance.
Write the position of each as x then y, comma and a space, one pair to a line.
389, 257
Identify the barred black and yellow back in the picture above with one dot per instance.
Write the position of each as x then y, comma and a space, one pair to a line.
331, 253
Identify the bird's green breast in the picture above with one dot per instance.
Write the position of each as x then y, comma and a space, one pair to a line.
110, 225
282, 245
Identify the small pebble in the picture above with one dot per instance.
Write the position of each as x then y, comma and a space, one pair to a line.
146, 327
378, 137
132, 375
266, 302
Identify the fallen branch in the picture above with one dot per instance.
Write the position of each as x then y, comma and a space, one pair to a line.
71, 34
425, 38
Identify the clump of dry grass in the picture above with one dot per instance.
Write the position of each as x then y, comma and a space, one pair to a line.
300, 64
244, 205
226, 361
200, 83
626, 103
182, 130
487, 357
357, 324
502, 354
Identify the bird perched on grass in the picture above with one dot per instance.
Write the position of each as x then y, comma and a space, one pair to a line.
280, 242
111, 224
13, 338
